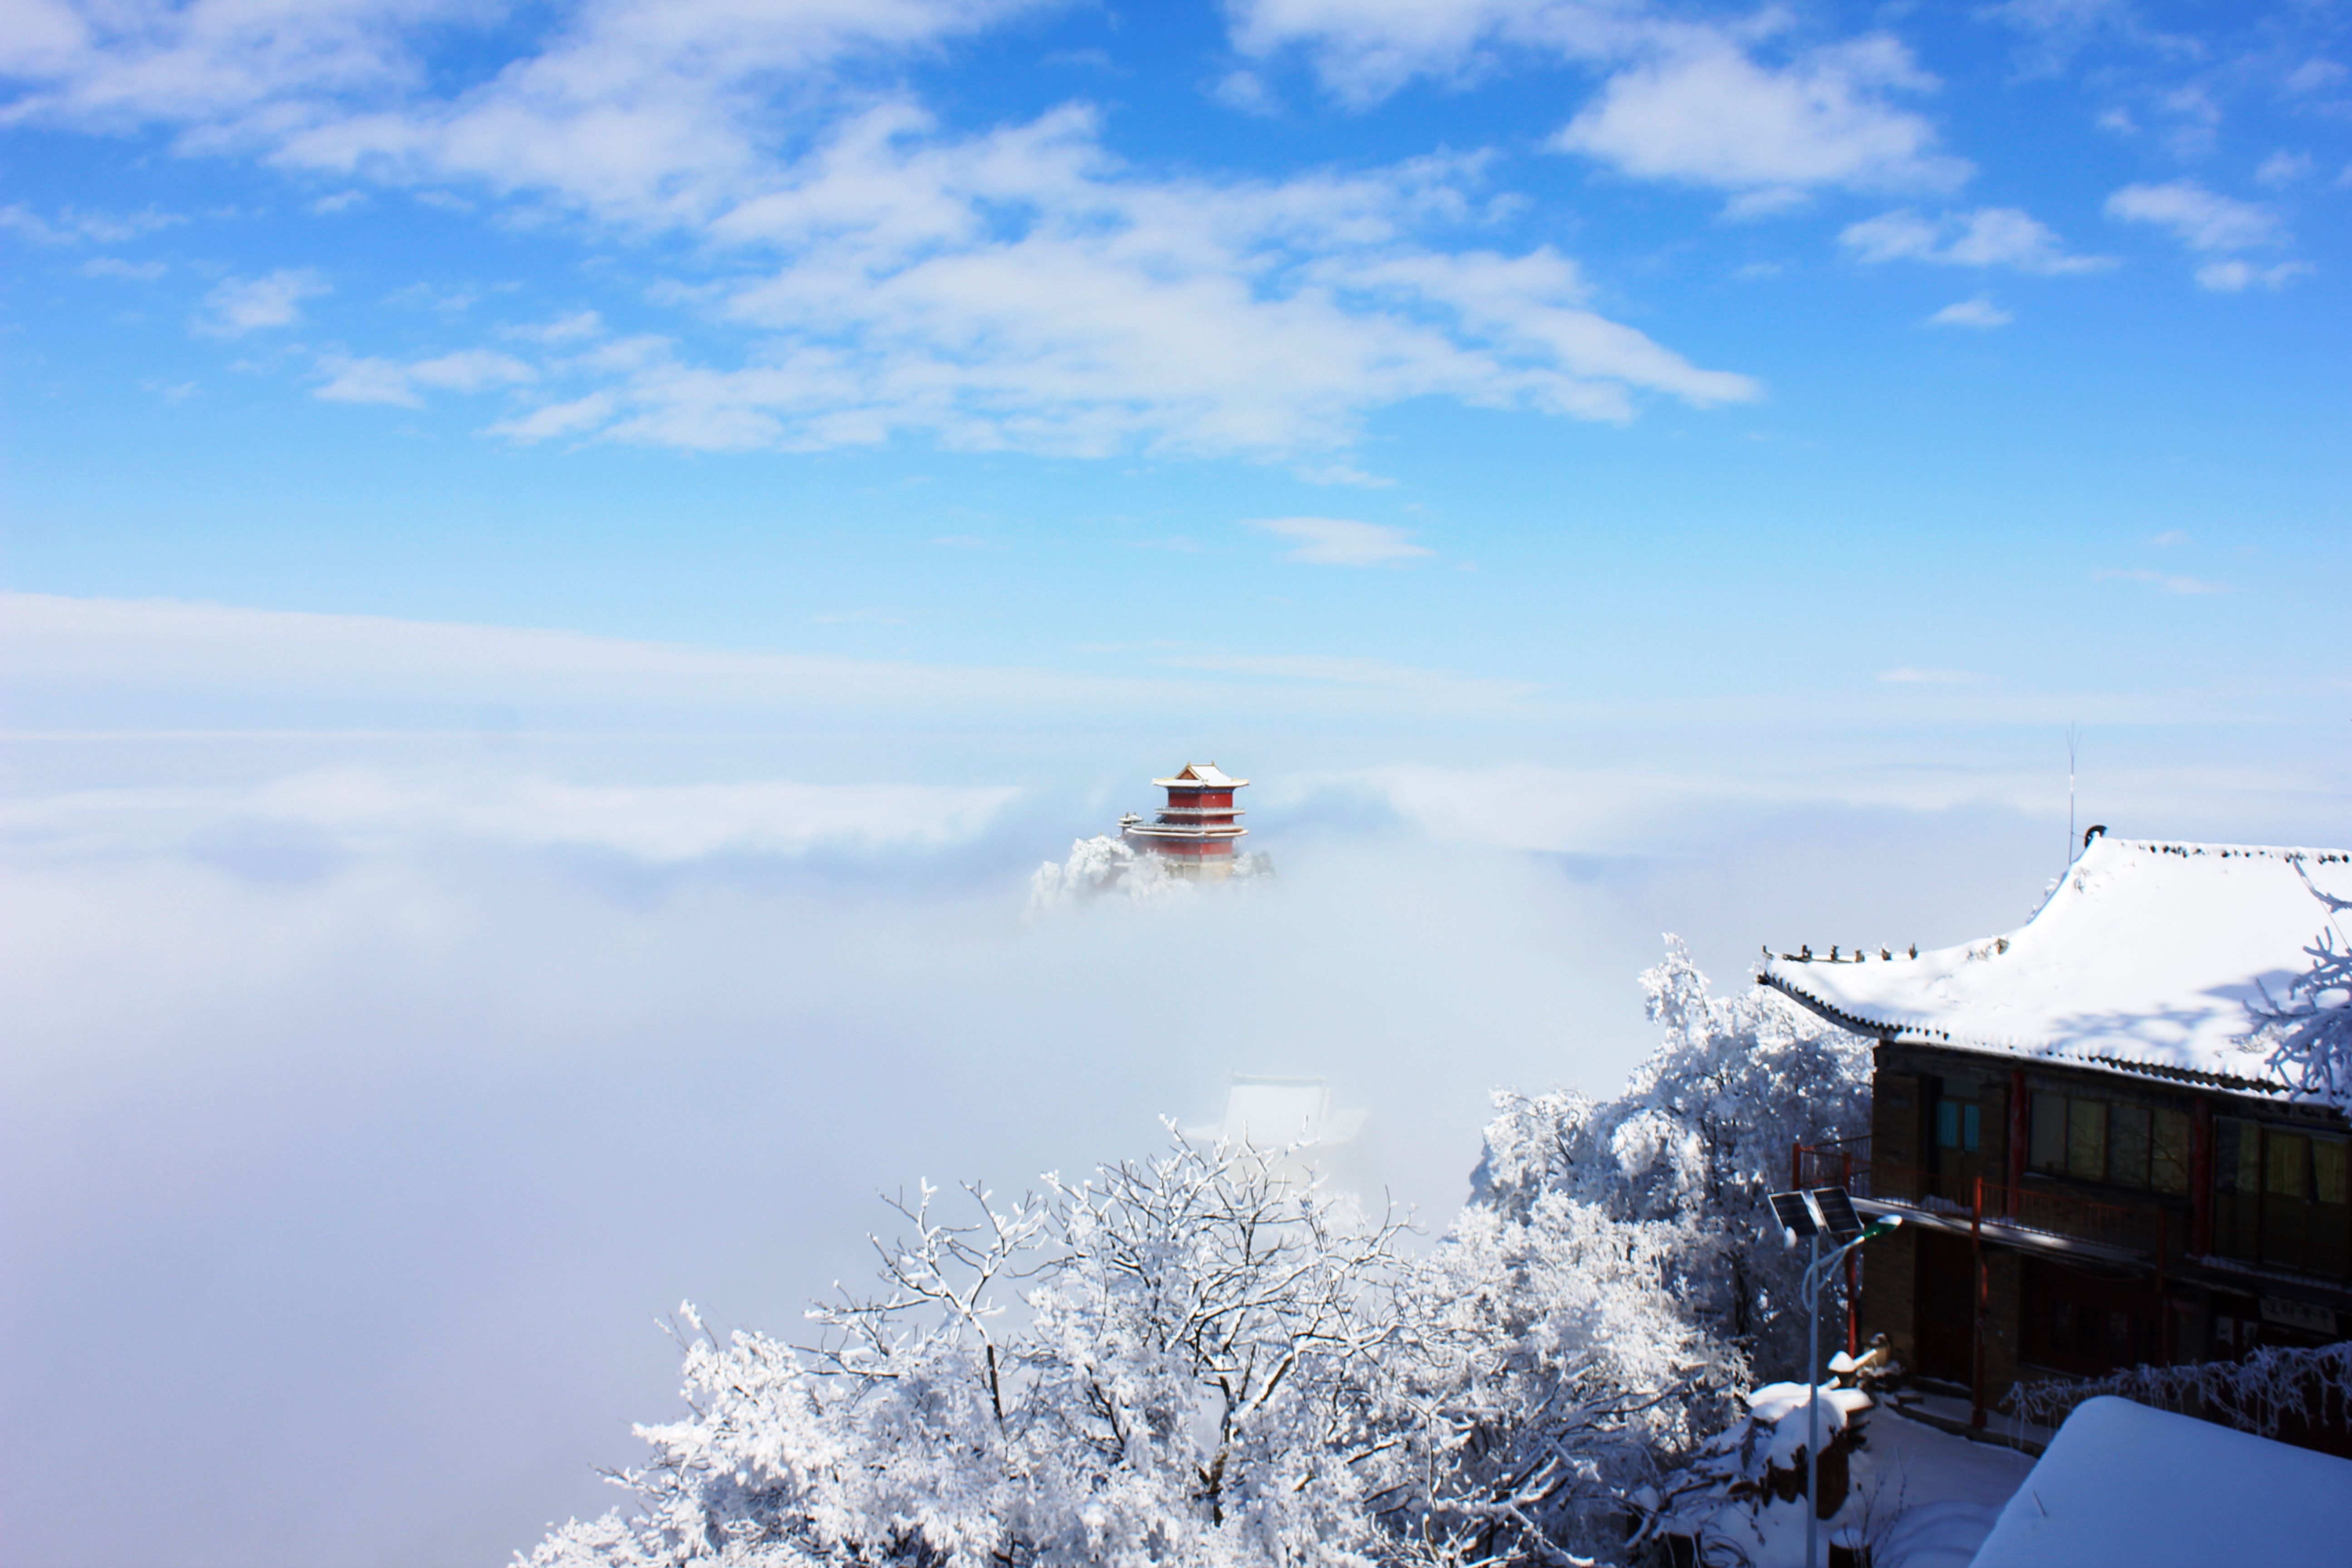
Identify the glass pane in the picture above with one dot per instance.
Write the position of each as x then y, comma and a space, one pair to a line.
2128, 1137
1948, 1124
1969, 1127
2168, 1163
2287, 1164
2049, 1144
2331, 1171
2086, 1140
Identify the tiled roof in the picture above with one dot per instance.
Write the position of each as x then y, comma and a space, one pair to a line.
2144, 960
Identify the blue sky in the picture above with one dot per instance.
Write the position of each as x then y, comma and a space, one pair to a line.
973, 332
560, 565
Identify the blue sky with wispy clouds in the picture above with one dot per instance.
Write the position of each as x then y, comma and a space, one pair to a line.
561, 563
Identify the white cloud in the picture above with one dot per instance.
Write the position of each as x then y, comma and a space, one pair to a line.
2169, 582
1022, 288
1362, 50
654, 823
241, 305
1977, 312
2200, 220
1341, 542
388, 381
129, 271
2315, 75
1988, 237
1707, 113
313, 673
74, 227
2236, 277
1027, 289
548, 421
2285, 168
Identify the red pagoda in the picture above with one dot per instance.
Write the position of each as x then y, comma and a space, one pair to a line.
1196, 830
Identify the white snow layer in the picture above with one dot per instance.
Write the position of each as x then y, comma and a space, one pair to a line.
1104, 865
2126, 1485
2146, 954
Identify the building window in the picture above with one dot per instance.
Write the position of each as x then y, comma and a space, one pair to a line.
2281, 1199
2128, 1130
1957, 1124
2086, 1140
2048, 1145
2168, 1152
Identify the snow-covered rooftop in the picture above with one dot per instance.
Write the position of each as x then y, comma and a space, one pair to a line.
2145, 959
1200, 775
2125, 1485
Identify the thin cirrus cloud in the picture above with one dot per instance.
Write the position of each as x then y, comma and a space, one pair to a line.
240, 305
2163, 582
1980, 313
1019, 288
1988, 237
1342, 541
403, 385
2210, 225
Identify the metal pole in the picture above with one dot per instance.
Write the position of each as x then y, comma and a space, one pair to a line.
1853, 1315
1814, 1408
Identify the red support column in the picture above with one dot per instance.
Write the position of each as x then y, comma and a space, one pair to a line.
1977, 1356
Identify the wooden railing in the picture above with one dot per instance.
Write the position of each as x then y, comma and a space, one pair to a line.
2044, 1210
1988, 1208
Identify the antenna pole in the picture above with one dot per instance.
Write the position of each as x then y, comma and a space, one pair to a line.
2073, 735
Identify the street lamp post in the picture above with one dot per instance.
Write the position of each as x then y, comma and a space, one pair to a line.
1808, 1215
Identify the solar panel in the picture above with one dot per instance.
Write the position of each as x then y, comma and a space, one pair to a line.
1794, 1213
1837, 1213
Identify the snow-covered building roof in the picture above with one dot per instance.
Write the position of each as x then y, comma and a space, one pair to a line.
1200, 775
2144, 959
2135, 1488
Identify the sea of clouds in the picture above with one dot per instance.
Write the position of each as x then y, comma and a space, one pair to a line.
371, 1092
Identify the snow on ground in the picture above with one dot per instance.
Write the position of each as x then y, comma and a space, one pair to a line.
1922, 1496
2126, 1485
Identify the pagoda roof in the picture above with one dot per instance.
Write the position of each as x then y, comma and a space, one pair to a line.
1200, 775
2145, 959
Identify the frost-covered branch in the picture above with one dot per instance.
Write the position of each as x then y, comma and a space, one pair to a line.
2272, 1386
2309, 1030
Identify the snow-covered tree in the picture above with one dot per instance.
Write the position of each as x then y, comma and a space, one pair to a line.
1198, 1360
1105, 867
1698, 1139
2310, 1029
1192, 1376
1549, 1373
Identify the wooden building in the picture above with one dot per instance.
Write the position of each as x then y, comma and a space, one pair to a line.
1198, 829
2097, 1167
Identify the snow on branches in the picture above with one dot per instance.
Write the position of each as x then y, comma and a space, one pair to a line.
2310, 1032
1198, 1359
1178, 1362
2272, 1388
1105, 867
1698, 1139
